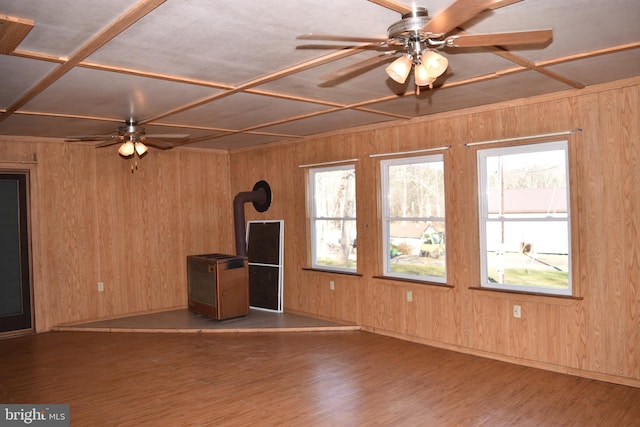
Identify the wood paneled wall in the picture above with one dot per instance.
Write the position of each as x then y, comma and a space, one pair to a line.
595, 335
93, 220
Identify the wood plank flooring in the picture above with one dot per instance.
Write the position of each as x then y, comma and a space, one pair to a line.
347, 378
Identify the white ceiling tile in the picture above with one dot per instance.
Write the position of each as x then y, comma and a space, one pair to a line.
18, 76
238, 140
243, 110
327, 122
53, 127
90, 92
600, 69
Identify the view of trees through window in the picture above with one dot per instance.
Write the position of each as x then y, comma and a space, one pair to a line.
525, 217
414, 214
333, 219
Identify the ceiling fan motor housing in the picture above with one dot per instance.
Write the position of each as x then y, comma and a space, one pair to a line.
410, 25
132, 130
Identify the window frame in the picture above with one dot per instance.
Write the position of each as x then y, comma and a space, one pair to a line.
387, 219
483, 215
313, 218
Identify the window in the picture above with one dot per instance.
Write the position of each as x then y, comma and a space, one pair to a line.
524, 218
413, 218
333, 217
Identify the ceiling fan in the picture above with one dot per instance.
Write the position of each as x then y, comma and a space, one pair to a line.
134, 139
417, 37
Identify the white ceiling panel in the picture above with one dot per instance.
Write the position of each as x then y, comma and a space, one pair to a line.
54, 127
88, 92
600, 69
194, 133
237, 140
18, 76
327, 122
242, 111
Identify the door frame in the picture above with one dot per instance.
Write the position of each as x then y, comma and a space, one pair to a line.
27, 170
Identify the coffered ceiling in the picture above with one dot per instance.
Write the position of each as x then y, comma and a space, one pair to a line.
231, 73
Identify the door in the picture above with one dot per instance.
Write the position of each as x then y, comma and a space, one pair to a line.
15, 284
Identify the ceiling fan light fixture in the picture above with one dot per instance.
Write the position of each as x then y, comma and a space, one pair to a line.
434, 63
399, 69
421, 76
127, 149
140, 148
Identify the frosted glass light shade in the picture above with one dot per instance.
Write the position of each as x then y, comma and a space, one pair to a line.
127, 149
399, 69
421, 76
141, 148
434, 64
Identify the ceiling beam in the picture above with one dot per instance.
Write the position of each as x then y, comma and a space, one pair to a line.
590, 54
510, 56
12, 32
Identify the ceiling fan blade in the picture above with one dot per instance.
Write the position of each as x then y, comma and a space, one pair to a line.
162, 145
168, 136
358, 67
107, 143
331, 37
393, 5
89, 138
378, 47
497, 4
456, 14
500, 39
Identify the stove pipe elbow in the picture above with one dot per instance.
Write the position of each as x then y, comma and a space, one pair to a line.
261, 199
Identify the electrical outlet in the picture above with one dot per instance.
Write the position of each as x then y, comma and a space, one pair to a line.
409, 296
100, 286
517, 311
332, 285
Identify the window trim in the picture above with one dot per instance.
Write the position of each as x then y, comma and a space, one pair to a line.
483, 217
387, 219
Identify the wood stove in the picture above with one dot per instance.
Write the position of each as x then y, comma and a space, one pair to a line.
218, 285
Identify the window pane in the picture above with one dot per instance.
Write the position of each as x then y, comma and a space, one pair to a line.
533, 254
417, 248
416, 190
333, 217
414, 223
524, 217
335, 244
335, 193
527, 183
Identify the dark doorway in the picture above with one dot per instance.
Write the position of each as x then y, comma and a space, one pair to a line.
15, 283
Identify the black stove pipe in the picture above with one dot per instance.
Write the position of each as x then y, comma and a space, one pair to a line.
261, 198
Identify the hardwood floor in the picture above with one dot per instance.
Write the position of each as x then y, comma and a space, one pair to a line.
344, 378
